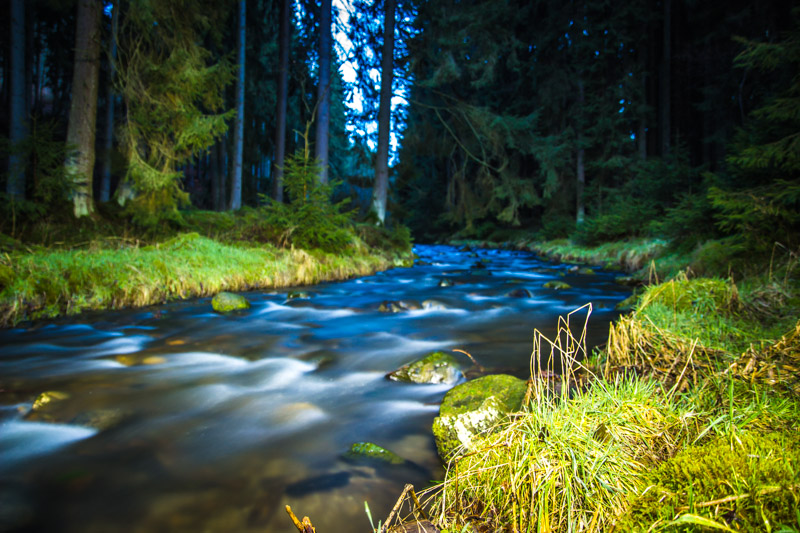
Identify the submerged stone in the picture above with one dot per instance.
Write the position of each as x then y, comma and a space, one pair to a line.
557, 285
586, 271
519, 293
227, 302
436, 367
99, 418
372, 452
434, 305
446, 283
398, 306
298, 294
475, 407
48, 398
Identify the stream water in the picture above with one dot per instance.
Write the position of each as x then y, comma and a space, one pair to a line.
215, 423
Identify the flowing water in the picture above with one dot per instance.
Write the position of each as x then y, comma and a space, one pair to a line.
215, 423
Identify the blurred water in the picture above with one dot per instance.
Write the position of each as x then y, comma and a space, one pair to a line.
222, 420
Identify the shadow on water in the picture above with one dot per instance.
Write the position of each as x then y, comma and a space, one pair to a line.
173, 418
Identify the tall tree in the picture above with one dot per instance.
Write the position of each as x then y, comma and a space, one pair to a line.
79, 166
384, 115
665, 79
323, 90
238, 134
16, 128
282, 90
105, 174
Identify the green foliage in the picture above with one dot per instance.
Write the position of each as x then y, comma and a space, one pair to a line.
43, 157
174, 91
749, 482
762, 203
309, 220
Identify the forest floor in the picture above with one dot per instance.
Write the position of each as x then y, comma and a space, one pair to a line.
684, 421
53, 271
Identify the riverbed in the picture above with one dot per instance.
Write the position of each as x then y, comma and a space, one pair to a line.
174, 418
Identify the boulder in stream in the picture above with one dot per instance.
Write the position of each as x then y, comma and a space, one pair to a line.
398, 306
475, 407
557, 285
519, 293
436, 367
227, 302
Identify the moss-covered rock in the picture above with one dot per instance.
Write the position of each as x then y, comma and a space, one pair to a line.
557, 285
369, 451
48, 398
586, 271
436, 367
227, 302
475, 407
398, 306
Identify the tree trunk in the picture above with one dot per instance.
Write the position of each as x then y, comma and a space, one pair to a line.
15, 186
580, 171
238, 134
83, 108
381, 187
283, 89
665, 81
323, 89
108, 142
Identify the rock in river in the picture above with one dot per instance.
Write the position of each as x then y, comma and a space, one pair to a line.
436, 367
372, 452
226, 302
557, 285
475, 407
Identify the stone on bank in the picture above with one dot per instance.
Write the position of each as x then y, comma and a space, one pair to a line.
475, 407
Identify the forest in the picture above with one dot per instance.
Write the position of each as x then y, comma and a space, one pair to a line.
154, 151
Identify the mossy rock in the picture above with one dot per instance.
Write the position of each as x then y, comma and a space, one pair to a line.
475, 407
369, 451
227, 302
557, 285
48, 398
756, 470
302, 295
436, 367
509, 390
586, 271
398, 306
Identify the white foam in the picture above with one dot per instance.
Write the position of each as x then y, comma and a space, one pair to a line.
23, 440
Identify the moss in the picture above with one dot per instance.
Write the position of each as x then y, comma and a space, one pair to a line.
749, 482
468, 396
436, 367
700, 296
557, 285
372, 452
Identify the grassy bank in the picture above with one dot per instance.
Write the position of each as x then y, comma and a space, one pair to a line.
39, 282
685, 421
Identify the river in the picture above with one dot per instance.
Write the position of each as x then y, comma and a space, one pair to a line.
215, 423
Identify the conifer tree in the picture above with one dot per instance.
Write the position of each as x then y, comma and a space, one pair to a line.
238, 134
15, 186
384, 115
79, 166
323, 107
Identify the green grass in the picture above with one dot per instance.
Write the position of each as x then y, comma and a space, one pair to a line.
46, 284
689, 424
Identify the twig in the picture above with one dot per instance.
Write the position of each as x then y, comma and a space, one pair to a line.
728, 499
304, 526
480, 367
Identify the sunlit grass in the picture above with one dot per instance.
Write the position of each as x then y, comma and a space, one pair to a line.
51, 283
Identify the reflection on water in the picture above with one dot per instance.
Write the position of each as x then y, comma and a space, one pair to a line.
177, 419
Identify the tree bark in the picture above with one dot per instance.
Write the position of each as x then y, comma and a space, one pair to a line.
381, 187
665, 79
280, 112
323, 90
108, 142
238, 135
15, 186
580, 171
83, 108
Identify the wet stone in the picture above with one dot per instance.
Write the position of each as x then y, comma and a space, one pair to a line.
227, 302
436, 367
557, 285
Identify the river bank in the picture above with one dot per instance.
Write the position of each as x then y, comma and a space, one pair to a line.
39, 282
688, 424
